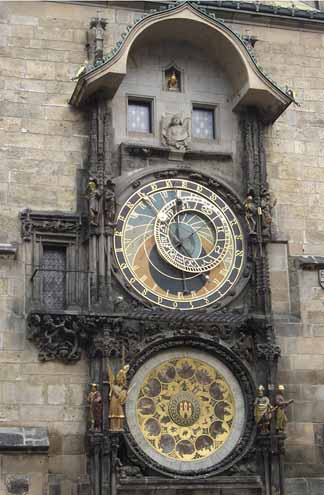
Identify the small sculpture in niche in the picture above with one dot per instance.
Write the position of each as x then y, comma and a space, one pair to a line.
262, 411
268, 202
94, 400
250, 213
172, 78
280, 409
110, 202
117, 398
128, 471
93, 196
176, 132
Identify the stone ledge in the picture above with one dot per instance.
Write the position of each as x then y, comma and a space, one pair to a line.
253, 483
20, 439
304, 486
148, 151
8, 251
310, 262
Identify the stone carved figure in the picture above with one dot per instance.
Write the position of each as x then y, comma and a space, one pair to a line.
93, 196
280, 409
117, 398
250, 213
176, 132
128, 471
262, 411
110, 202
98, 26
268, 202
244, 347
94, 400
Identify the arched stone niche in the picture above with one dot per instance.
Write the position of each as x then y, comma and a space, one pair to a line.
204, 84
250, 87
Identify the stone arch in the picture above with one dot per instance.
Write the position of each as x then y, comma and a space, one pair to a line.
251, 87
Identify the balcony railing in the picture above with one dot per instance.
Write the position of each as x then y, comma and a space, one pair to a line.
57, 290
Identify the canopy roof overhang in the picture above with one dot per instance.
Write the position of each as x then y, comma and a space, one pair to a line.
251, 87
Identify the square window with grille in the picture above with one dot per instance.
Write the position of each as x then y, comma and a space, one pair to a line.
203, 123
139, 118
53, 270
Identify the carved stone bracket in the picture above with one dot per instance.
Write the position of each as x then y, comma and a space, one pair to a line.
268, 351
64, 337
60, 337
52, 223
145, 152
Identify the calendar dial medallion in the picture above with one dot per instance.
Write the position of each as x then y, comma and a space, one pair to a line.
185, 411
178, 244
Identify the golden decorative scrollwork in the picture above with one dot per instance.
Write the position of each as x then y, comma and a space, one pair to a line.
185, 409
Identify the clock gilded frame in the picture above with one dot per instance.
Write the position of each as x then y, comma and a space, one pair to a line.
150, 264
162, 433
207, 350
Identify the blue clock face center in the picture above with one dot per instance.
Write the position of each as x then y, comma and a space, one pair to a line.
185, 240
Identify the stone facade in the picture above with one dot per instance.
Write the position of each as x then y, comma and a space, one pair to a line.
43, 152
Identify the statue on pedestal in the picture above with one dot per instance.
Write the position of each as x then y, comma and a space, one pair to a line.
117, 398
262, 411
93, 196
281, 406
94, 400
250, 213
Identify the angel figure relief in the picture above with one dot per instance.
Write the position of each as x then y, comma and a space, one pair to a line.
176, 132
117, 397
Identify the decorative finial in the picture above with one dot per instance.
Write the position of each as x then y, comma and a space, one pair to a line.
98, 24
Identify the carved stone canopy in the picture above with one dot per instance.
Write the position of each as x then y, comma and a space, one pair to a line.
251, 87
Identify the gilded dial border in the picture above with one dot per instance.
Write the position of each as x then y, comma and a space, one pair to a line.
174, 302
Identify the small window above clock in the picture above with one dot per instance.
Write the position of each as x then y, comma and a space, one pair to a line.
139, 115
203, 122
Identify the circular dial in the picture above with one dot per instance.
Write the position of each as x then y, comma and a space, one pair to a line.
178, 244
185, 410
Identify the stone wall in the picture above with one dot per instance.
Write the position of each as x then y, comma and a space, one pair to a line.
294, 148
43, 142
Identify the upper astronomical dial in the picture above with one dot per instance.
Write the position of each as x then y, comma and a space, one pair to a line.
178, 244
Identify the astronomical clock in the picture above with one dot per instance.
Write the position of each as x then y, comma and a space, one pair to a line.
180, 251
178, 244
160, 279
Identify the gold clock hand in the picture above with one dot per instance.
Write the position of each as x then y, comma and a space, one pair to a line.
194, 232
148, 200
203, 275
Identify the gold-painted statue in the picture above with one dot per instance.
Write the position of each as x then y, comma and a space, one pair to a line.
173, 83
281, 406
94, 400
262, 410
117, 398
